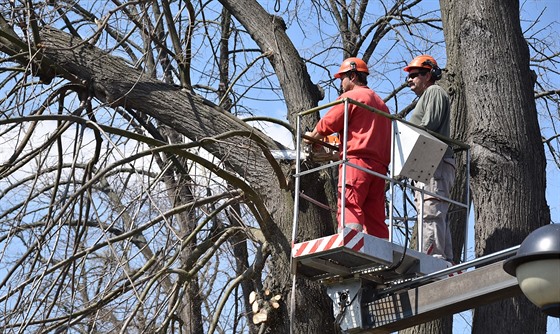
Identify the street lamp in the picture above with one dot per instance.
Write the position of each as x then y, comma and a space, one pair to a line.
537, 267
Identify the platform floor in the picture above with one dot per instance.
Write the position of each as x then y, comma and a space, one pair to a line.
355, 254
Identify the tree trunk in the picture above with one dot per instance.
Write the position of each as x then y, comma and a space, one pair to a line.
457, 216
300, 94
488, 60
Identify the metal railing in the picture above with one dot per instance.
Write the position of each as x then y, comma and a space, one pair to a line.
391, 218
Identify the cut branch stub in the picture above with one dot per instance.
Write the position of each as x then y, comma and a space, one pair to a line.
263, 306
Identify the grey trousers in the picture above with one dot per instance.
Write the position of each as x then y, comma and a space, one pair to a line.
436, 238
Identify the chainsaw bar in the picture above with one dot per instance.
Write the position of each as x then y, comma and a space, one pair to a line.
320, 151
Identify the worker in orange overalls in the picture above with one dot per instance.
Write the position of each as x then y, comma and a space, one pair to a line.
368, 146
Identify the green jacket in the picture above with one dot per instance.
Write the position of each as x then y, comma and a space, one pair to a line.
433, 113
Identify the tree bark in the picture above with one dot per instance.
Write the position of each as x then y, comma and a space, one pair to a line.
300, 94
489, 62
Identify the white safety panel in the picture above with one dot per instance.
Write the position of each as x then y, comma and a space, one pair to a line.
417, 153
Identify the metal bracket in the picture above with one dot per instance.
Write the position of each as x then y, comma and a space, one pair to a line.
347, 300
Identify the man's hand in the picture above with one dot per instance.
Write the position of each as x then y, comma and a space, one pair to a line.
308, 134
313, 134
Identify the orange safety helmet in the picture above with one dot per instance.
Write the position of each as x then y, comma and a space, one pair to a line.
423, 61
352, 64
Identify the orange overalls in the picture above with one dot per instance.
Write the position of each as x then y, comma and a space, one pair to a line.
368, 146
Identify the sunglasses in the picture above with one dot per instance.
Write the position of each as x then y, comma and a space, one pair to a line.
414, 75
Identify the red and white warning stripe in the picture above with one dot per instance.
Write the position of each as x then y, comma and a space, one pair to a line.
348, 238
353, 240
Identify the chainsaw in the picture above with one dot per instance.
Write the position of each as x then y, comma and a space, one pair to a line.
323, 150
